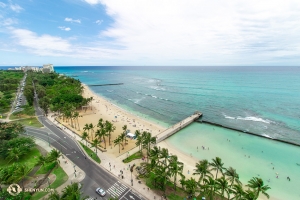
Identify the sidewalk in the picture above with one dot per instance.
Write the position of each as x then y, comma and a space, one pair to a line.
67, 166
114, 165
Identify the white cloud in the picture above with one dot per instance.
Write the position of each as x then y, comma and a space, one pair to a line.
207, 32
99, 21
8, 22
72, 20
47, 45
64, 28
41, 45
93, 2
16, 7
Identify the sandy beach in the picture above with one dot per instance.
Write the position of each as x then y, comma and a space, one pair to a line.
102, 108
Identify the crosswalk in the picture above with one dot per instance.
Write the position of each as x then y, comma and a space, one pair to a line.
116, 189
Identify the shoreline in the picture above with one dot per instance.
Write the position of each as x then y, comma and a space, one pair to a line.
108, 111
105, 109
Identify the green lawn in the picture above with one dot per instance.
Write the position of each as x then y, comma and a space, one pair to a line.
92, 154
30, 159
27, 112
30, 122
137, 155
61, 177
44, 169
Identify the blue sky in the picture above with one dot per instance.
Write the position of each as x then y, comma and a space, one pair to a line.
149, 32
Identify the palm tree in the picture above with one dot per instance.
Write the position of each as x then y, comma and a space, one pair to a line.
124, 128
222, 186
54, 156
123, 137
154, 154
101, 133
209, 187
249, 195
175, 168
182, 181
73, 192
191, 186
85, 136
54, 196
232, 176
238, 191
139, 141
164, 154
87, 128
109, 128
162, 177
76, 116
202, 169
118, 141
95, 143
147, 141
91, 126
21, 173
258, 185
42, 160
15, 154
217, 165
100, 123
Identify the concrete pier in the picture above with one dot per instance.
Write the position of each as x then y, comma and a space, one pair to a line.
177, 127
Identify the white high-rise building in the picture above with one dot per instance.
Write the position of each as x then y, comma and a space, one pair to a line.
47, 68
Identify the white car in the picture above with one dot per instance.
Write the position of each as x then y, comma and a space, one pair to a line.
101, 192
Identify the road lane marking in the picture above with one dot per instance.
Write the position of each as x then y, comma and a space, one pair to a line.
116, 190
50, 138
123, 196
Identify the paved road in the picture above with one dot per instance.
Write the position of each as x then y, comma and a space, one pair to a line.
95, 175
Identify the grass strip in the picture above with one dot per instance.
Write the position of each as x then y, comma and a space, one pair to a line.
30, 159
61, 177
137, 155
44, 169
32, 121
92, 154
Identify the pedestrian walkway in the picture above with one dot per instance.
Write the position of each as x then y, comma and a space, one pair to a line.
117, 189
114, 165
67, 165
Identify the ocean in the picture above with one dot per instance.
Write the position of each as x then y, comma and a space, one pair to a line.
261, 100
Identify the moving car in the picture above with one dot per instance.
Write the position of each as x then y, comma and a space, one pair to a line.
101, 192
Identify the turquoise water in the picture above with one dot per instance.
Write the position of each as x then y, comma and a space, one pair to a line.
249, 155
265, 101
262, 100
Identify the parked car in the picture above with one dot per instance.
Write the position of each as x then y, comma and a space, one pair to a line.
100, 191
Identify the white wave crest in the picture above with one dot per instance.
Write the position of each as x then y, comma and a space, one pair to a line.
265, 135
228, 117
157, 88
256, 119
